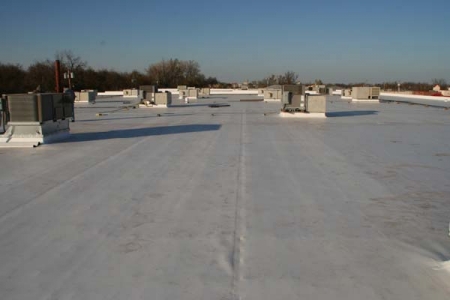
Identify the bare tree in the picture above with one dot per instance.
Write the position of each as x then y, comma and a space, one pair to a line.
270, 80
288, 77
69, 60
175, 72
439, 81
70, 63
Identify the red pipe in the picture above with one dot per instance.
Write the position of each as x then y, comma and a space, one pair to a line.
58, 87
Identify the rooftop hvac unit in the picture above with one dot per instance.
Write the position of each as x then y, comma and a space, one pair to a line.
315, 103
149, 88
4, 115
37, 118
366, 93
39, 107
3, 104
86, 96
192, 93
183, 93
287, 98
163, 98
347, 93
205, 92
147, 92
294, 89
273, 94
293, 102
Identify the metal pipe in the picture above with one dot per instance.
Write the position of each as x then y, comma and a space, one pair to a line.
58, 87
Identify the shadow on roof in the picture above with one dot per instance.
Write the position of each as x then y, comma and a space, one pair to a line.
190, 105
140, 132
215, 97
352, 113
98, 119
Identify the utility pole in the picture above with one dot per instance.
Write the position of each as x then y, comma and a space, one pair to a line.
69, 75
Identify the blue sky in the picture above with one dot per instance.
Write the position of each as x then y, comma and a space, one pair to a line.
337, 41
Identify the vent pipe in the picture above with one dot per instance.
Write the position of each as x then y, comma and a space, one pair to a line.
58, 87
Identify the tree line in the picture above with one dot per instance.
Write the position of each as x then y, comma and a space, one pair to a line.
404, 86
291, 77
174, 72
166, 74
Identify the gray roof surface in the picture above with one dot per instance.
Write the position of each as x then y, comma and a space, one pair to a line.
229, 203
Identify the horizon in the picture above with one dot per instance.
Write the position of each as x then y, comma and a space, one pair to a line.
234, 41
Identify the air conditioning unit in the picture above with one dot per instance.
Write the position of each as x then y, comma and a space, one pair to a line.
192, 93
293, 102
37, 118
163, 98
366, 93
273, 94
149, 88
39, 107
295, 89
315, 103
205, 92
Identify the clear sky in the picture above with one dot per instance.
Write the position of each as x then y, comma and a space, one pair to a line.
337, 41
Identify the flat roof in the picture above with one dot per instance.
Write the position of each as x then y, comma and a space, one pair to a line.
193, 202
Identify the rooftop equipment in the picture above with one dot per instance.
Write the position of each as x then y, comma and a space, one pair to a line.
163, 99
149, 88
86, 96
315, 104
38, 118
205, 92
346, 94
296, 89
147, 92
192, 93
293, 98
365, 93
4, 115
318, 89
296, 100
131, 93
273, 94
183, 93
39, 107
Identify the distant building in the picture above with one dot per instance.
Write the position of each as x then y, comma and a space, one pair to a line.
244, 85
437, 88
